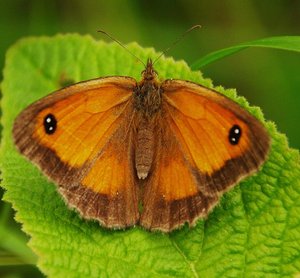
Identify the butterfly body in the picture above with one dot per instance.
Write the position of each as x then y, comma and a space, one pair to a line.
157, 154
147, 103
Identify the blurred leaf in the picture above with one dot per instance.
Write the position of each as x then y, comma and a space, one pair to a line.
291, 43
255, 231
13, 248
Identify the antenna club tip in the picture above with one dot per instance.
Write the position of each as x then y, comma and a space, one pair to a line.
197, 26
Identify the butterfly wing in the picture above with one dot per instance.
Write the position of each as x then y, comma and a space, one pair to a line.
172, 193
81, 138
208, 144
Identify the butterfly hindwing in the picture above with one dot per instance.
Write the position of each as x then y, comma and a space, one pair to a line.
109, 190
172, 194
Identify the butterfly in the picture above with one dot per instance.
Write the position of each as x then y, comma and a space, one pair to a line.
157, 154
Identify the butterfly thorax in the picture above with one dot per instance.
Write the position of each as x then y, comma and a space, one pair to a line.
147, 94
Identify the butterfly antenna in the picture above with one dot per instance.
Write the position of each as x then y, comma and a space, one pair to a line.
177, 41
122, 45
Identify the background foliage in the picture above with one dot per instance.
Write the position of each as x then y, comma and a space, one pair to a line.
267, 78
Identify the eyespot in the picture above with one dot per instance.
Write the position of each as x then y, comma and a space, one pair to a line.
235, 134
50, 124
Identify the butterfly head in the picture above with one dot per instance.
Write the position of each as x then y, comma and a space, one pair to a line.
149, 73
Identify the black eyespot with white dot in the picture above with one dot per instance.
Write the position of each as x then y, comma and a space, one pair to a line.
50, 124
235, 134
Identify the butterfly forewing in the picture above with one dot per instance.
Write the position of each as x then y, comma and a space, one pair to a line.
222, 141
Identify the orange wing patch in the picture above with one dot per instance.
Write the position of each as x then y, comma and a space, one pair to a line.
175, 179
203, 132
85, 123
112, 171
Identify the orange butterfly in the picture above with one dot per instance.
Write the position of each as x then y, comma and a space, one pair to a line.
157, 154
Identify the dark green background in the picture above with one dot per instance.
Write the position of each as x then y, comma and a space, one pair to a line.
267, 78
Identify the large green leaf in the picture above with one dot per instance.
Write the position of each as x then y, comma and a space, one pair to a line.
253, 232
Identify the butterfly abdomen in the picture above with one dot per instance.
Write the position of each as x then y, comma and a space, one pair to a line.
144, 151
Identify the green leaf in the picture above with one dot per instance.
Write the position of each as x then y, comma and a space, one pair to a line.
291, 43
253, 232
